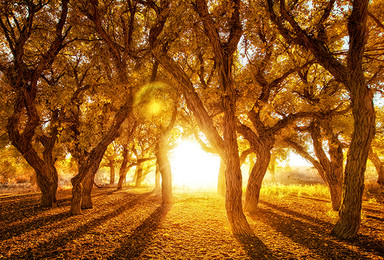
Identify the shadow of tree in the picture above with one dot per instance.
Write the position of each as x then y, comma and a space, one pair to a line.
48, 249
312, 236
255, 248
132, 246
299, 215
16, 230
364, 242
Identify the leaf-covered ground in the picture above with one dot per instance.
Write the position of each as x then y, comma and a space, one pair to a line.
133, 224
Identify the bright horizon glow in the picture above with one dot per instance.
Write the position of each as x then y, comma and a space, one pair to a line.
193, 168
297, 160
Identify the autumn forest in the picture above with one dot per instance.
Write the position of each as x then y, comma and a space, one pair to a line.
107, 107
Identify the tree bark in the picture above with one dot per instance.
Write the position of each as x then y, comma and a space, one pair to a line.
77, 188
86, 198
336, 194
255, 180
350, 212
46, 172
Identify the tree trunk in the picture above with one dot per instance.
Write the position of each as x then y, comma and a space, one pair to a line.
332, 166
86, 199
335, 182
77, 188
112, 173
82, 183
353, 187
139, 175
123, 168
46, 176
121, 181
233, 177
255, 180
157, 177
166, 173
336, 193
221, 179
48, 193
375, 159
233, 199
24, 80
90, 164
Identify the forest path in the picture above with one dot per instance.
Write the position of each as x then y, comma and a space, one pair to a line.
133, 224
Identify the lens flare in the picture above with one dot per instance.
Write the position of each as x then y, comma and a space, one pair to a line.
154, 107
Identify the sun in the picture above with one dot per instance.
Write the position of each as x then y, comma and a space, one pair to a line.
193, 168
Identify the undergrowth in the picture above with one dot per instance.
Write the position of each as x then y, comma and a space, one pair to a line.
281, 190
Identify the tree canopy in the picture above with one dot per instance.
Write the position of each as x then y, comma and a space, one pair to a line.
77, 77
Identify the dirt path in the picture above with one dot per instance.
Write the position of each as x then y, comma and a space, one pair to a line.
133, 224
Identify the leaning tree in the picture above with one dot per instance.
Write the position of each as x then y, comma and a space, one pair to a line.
33, 33
316, 33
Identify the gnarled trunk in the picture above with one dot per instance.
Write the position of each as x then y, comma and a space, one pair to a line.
233, 177
77, 188
336, 193
364, 128
255, 180
24, 78
86, 194
90, 165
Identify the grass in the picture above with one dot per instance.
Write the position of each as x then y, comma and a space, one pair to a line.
281, 190
373, 192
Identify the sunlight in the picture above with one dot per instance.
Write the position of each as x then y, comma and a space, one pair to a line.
193, 168
154, 107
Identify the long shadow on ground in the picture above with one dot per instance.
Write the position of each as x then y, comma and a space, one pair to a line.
18, 229
133, 245
364, 242
49, 249
255, 248
314, 236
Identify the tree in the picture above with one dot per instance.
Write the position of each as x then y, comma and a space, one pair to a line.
106, 21
21, 25
377, 148
223, 50
350, 73
328, 164
158, 103
271, 99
